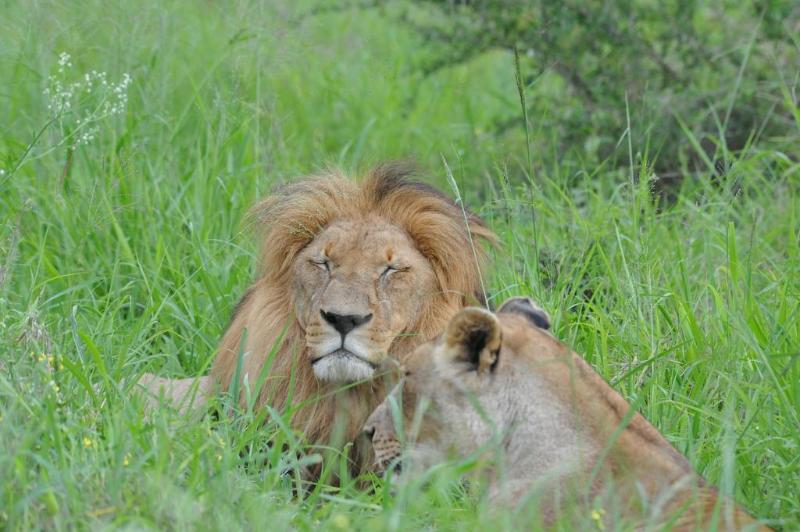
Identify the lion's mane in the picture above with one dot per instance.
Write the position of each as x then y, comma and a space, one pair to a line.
288, 220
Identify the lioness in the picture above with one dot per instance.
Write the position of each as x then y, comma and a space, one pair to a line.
351, 272
561, 434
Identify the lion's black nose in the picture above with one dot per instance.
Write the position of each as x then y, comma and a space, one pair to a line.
344, 323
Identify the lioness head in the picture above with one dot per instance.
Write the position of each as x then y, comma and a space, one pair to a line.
469, 364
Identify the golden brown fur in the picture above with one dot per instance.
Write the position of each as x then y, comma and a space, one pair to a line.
289, 221
564, 431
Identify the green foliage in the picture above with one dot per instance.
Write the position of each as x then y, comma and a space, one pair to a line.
596, 68
127, 253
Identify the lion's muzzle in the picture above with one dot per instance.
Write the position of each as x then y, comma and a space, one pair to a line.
341, 351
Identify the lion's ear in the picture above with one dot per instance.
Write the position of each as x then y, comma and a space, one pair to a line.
474, 337
525, 307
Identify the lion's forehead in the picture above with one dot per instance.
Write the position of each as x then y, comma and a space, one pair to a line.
371, 239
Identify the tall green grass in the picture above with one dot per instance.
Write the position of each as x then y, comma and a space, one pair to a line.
128, 254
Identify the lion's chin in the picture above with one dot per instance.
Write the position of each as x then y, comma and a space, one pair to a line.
342, 366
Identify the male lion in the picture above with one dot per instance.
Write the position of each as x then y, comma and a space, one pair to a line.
350, 274
502, 388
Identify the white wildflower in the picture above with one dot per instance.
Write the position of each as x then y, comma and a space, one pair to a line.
64, 62
79, 106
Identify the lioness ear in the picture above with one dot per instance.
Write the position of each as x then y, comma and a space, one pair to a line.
525, 307
473, 336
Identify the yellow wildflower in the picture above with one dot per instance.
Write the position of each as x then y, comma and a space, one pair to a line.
597, 517
340, 522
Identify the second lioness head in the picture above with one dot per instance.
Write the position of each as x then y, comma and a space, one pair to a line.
466, 388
